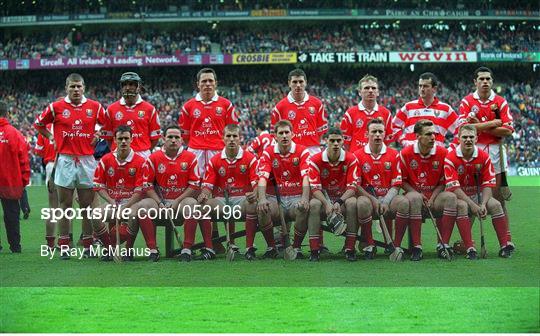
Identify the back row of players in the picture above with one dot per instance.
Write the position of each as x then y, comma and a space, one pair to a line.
361, 175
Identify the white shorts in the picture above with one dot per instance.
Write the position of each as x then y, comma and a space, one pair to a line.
75, 171
234, 200
494, 154
203, 157
48, 171
289, 202
145, 153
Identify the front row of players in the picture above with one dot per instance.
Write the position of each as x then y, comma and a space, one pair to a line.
359, 186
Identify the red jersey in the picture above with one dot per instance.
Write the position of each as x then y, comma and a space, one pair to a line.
485, 111
238, 175
355, 121
308, 118
382, 171
120, 179
15, 167
442, 115
172, 175
259, 144
460, 173
423, 173
288, 170
202, 123
44, 148
334, 178
141, 117
74, 125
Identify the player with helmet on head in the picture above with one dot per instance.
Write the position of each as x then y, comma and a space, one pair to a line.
131, 110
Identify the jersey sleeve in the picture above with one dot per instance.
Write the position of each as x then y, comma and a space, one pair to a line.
210, 177
397, 179
39, 149
346, 128
99, 176
107, 130
265, 165
275, 117
100, 118
304, 163
322, 121
387, 127
488, 174
154, 127
149, 174
452, 121
184, 122
232, 115
254, 146
450, 175
506, 117
253, 172
24, 160
352, 174
402, 166
398, 123
46, 117
314, 176
194, 178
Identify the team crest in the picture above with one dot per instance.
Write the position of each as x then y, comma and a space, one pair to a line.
184, 166
243, 169
296, 161
344, 168
140, 114
366, 167
325, 173
118, 115
161, 168
132, 171
219, 111
221, 171
275, 163
460, 169
413, 164
478, 166
311, 110
196, 113
89, 112
110, 171
359, 123
436, 112
291, 115
387, 165
66, 113
435, 164
475, 109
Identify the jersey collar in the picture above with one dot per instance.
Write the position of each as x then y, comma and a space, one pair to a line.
363, 108
490, 98
367, 149
238, 155
83, 100
435, 102
128, 159
180, 150
292, 150
199, 98
325, 156
459, 153
416, 149
139, 100
291, 99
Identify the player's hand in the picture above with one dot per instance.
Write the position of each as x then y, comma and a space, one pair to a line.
164, 204
175, 204
263, 205
472, 120
428, 201
483, 211
328, 208
496, 123
203, 197
383, 209
303, 205
251, 197
95, 139
336, 207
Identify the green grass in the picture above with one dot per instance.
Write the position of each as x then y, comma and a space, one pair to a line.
492, 295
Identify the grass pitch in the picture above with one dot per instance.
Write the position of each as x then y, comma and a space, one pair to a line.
492, 295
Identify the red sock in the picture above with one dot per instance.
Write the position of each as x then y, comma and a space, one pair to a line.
50, 241
103, 235
124, 234
314, 242
131, 238
298, 238
464, 227
251, 229
321, 236
415, 227
402, 221
206, 229
63, 242
149, 232
389, 226
232, 229
350, 241
87, 241
447, 224
500, 224
268, 235
366, 224
190, 227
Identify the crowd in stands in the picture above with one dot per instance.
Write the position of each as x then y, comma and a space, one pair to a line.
59, 7
346, 37
254, 102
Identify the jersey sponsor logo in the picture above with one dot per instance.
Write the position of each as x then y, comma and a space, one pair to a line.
77, 125
387, 165
120, 182
172, 179
296, 161
376, 177
161, 168
275, 163
303, 124
140, 114
118, 115
359, 123
460, 170
291, 115
110, 171
196, 113
221, 171
366, 167
243, 169
66, 113
413, 164
89, 113
132, 171
325, 173
285, 175
311, 110
184, 166
219, 111
435, 165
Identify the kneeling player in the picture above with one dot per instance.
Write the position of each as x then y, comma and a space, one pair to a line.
230, 179
422, 168
469, 171
333, 171
380, 178
287, 162
171, 181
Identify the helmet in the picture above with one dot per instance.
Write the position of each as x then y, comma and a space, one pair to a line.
130, 77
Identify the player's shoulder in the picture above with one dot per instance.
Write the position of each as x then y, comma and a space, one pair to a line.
108, 158
441, 150
146, 105
315, 100
499, 99
92, 102
316, 158
384, 110
187, 155
391, 152
223, 101
156, 156
407, 150
282, 103
300, 149
412, 104
349, 156
190, 103
138, 159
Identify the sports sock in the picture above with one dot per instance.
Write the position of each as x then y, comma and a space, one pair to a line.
190, 227
251, 229
366, 224
464, 227
50, 241
350, 240
402, 221
447, 224
500, 224
103, 235
415, 227
298, 238
149, 233
314, 242
206, 229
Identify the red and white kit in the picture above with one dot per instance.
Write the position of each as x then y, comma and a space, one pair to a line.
308, 118
355, 121
172, 175
334, 178
462, 173
120, 179
381, 171
442, 115
260, 143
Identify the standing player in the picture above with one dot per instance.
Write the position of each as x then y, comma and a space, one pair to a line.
334, 171
422, 168
204, 117
232, 171
379, 169
287, 162
426, 107
466, 169
171, 180
118, 180
354, 124
14, 176
263, 140
133, 111
77, 122
490, 115
306, 113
